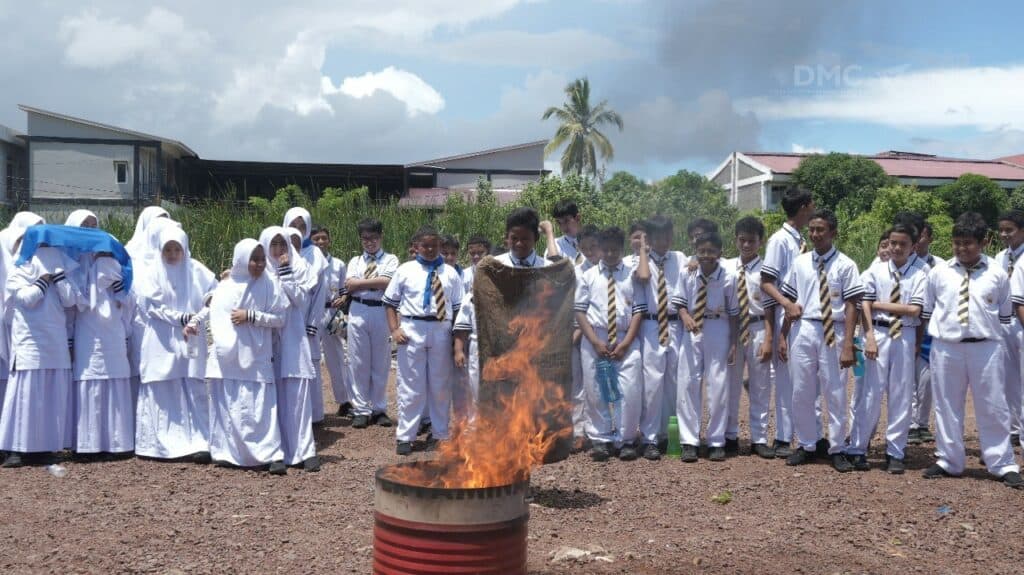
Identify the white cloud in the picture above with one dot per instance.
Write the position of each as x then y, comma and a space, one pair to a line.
418, 96
983, 97
563, 49
160, 38
798, 149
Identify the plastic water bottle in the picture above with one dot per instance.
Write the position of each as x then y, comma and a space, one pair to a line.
56, 470
608, 380
858, 367
674, 450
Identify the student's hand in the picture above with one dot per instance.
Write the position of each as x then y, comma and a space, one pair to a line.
353, 285
731, 359
601, 348
764, 353
48, 278
399, 336
689, 324
793, 311
338, 301
460, 358
643, 241
546, 227
619, 352
871, 348
225, 274
846, 357
191, 330
239, 316
692, 265
283, 259
577, 335
783, 349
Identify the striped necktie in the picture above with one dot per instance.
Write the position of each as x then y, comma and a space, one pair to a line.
1009, 258
743, 297
525, 264
613, 316
826, 305
964, 304
896, 328
371, 268
803, 246
701, 303
662, 305
439, 300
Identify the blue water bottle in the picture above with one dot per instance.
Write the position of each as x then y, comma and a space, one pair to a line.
858, 367
608, 380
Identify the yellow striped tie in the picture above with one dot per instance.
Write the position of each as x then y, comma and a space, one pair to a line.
743, 297
826, 305
439, 300
1010, 258
701, 303
662, 307
613, 316
803, 246
371, 269
964, 305
896, 328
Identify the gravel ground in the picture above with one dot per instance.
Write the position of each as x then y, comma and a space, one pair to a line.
631, 517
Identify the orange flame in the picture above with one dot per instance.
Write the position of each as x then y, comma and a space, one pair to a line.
506, 440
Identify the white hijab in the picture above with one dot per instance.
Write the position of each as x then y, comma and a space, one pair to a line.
103, 273
241, 343
138, 242
46, 260
175, 285
300, 269
78, 217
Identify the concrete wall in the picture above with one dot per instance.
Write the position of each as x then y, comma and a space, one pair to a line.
724, 177
746, 171
40, 125
530, 158
748, 197
468, 181
82, 171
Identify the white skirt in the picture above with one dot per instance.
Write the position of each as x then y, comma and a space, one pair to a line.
35, 410
172, 419
244, 429
316, 396
296, 417
106, 416
71, 427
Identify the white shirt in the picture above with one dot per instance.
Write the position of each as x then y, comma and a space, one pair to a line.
721, 299
880, 278
39, 331
801, 285
592, 296
783, 247
406, 290
988, 303
672, 264
102, 328
468, 274
1017, 283
387, 265
1003, 257
568, 246
335, 282
755, 298
466, 318
531, 261
293, 356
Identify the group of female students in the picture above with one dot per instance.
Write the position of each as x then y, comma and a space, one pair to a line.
109, 350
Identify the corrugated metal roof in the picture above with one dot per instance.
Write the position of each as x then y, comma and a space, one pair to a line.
480, 153
906, 165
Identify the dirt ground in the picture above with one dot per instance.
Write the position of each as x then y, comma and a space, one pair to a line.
636, 517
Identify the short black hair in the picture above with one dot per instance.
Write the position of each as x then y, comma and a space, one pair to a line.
885, 235
970, 225
910, 219
523, 218
927, 228
1014, 215
637, 226
829, 216
565, 208
450, 241
902, 228
370, 226
320, 230
613, 235
498, 250
426, 231
750, 225
589, 231
703, 224
479, 240
659, 224
713, 238
795, 198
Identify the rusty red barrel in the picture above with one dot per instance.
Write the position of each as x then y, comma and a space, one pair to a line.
434, 530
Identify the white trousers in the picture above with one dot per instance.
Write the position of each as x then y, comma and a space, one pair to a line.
660, 373
106, 416
35, 411
316, 395
814, 370
369, 357
579, 396
467, 388
979, 366
891, 374
296, 419
336, 362
424, 382
759, 387
783, 386
921, 402
172, 418
605, 424
706, 363
244, 428
1014, 386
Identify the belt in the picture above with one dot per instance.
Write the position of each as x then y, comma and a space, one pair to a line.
421, 317
882, 323
973, 339
756, 318
368, 302
654, 316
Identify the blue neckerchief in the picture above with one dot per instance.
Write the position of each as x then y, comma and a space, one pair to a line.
458, 270
74, 242
428, 292
306, 243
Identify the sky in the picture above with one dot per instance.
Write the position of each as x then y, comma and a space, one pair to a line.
398, 81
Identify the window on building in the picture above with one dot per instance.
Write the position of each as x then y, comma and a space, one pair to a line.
121, 172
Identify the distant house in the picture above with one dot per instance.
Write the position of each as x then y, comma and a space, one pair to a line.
13, 165
756, 180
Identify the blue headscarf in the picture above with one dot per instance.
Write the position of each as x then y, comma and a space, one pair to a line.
434, 266
74, 242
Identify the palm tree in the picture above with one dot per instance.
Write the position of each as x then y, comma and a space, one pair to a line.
579, 128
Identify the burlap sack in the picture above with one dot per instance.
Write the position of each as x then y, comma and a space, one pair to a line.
501, 293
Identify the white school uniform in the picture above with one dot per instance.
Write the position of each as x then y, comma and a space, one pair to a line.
244, 429
464, 397
706, 358
569, 247
921, 403
9, 237
424, 363
814, 366
622, 426
1013, 338
530, 261
1017, 298
102, 377
468, 275
759, 380
34, 415
969, 356
369, 344
579, 398
333, 344
660, 363
783, 247
172, 414
294, 365
892, 372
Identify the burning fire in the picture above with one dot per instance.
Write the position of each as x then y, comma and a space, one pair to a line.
510, 438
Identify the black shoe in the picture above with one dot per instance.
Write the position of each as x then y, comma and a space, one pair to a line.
763, 451
782, 449
425, 427
732, 446
1013, 479
361, 421
13, 461
860, 463
278, 468
1014, 440
926, 436
628, 452
600, 451
345, 409
716, 454
821, 447
689, 453
202, 458
403, 448
841, 464
895, 466
651, 452
935, 472
799, 457
311, 465
914, 437
383, 420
